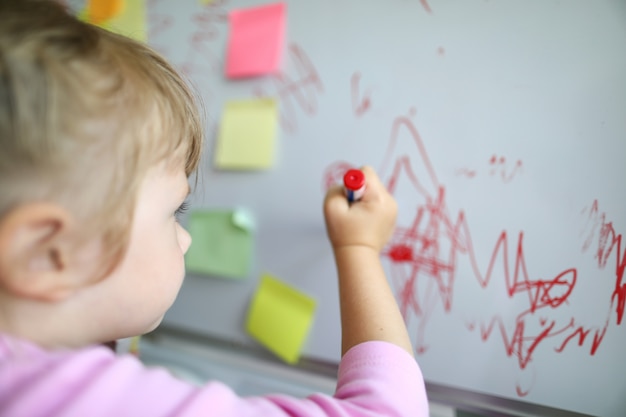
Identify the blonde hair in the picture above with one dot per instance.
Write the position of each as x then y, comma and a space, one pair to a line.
84, 114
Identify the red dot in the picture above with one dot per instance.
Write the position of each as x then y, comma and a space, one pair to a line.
401, 253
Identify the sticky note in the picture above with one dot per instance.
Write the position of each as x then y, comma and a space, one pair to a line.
131, 22
247, 132
256, 40
99, 11
280, 318
222, 243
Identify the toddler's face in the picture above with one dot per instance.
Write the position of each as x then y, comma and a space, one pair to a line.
146, 282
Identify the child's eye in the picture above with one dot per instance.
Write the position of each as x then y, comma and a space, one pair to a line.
182, 209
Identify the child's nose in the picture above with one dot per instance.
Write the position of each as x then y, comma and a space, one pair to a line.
184, 239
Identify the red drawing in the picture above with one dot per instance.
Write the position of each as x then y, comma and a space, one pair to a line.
159, 24
428, 250
297, 90
466, 172
359, 104
334, 174
607, 242
201, 59
498, 168
425, 254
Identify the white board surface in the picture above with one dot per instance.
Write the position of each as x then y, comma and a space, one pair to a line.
500, 127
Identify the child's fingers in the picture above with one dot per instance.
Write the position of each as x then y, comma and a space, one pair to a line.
374, 188
335, 200
378, 193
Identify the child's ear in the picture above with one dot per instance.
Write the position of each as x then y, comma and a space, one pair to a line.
34, 252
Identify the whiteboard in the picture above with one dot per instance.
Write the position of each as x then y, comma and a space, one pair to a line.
500, 128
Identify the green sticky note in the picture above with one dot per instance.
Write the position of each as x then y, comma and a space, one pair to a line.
280, 318
222, 243
247, 135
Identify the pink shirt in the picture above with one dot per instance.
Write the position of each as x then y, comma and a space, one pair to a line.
375, 379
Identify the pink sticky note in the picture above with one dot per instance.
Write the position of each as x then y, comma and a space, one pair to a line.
255, 43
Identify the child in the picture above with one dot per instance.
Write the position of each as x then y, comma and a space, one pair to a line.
98, 137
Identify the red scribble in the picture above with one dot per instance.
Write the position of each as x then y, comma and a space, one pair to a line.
334, 174
499, 167
295, 90
201, 58
359, 105
426, 242
426, 6
609, 242
425, 253
159, 24
466, 172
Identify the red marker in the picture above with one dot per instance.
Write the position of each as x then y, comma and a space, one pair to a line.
354, 184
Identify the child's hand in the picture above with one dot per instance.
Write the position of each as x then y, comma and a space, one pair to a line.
358, 232
368, 222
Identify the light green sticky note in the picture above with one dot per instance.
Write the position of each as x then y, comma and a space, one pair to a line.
131, 22
247, 135
222, 243
280, 317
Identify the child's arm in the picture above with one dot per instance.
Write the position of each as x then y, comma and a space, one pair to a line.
358, 232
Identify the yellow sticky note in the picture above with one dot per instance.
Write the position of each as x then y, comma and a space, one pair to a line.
247, 135
99, 11
280, 317
206, 2
131, 21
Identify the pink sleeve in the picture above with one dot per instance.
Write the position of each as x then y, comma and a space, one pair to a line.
375, 379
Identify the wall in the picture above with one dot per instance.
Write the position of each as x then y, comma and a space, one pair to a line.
500, 128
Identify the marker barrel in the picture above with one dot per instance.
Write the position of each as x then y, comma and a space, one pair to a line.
354, 184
